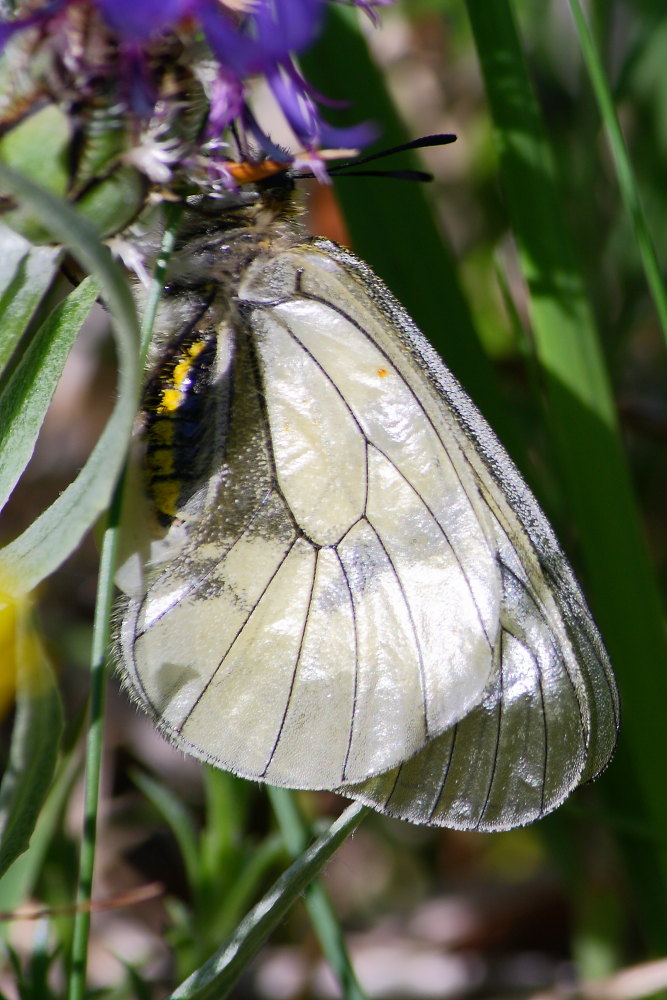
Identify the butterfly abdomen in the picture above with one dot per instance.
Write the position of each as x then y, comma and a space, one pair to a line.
175, 429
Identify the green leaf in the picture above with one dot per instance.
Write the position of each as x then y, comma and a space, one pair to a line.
25, 274
624, 171
37, 147
28, 391
36, 734
19, 881
585, 431
217, 976
112, 203
54, 535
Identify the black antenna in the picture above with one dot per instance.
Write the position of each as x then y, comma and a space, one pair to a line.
400, 175
349, 169
424, 142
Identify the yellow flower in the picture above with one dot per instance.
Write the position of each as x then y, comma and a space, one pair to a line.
22, 656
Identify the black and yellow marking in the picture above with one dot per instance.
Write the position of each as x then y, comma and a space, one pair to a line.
174, 406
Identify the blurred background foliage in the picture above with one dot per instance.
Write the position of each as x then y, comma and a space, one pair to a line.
521, 263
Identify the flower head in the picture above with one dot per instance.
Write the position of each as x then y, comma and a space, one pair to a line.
136, 54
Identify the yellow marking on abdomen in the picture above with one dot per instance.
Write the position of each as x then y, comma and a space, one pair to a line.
161, 433
160, 461
163, 449
166, 495
170, 401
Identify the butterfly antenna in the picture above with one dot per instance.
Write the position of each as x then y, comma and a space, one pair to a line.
349, 169
422, 143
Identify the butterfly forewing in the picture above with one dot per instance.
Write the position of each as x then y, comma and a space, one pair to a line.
359, 592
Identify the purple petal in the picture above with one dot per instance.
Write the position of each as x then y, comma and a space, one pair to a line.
297, 107
137, 79
235, 51
267, 146
227, 100
302, 84
353, 137
138, 20
285, 26
273, 30
304, 119
7, 30
369, 8
315, 165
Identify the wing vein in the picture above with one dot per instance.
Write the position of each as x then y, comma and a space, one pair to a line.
380, 451
499, 722
238, 634
443, 781
444, 534
555, 645
413, 627
200, 580
355, 686
295, 669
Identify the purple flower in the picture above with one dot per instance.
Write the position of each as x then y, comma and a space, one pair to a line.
246, 38
294, 97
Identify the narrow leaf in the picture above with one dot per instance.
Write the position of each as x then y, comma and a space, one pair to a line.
586, 436
323, 917
178, 819
624, 171
19, 881
28, 392
25, 274
216, 977
54, 535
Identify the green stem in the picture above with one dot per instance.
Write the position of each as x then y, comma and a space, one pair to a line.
105, 588
173, 214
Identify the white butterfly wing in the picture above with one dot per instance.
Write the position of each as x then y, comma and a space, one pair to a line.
367, 597
529, 743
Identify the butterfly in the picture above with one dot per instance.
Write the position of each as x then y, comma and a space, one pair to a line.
333, 576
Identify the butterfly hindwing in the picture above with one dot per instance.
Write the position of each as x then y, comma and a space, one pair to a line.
361, 593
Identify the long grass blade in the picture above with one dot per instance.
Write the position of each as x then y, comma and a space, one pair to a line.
26, 394
624, 171
585, 430
100, 651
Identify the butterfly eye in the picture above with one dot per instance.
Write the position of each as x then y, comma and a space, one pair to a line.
341, 580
